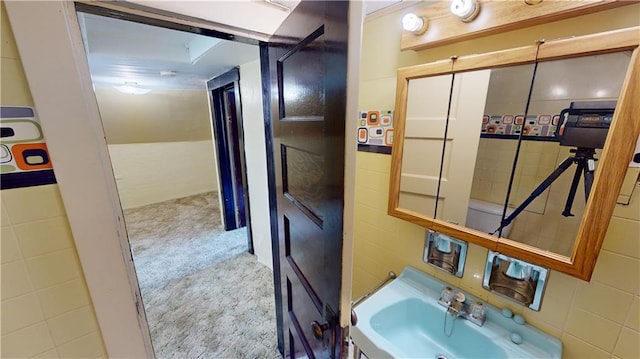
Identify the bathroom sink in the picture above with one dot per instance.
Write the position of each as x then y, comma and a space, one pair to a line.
417, 327
404, 320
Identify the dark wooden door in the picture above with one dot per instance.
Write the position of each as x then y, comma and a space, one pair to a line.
308, 74
229, 143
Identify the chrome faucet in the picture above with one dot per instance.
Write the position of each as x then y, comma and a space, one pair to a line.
456, 305
455, 309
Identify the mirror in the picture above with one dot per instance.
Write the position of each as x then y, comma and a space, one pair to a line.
433, 168
482, 129
551, 220
473, 177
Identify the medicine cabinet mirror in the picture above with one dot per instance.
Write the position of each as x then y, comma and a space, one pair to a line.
541, 135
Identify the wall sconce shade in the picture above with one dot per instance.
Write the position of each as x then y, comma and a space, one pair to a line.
466, 10
414, 23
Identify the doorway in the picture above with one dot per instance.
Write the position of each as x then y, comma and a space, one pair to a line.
203, 291
98, 231
228, 129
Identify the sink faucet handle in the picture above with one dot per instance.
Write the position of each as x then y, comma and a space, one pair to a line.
447, 295
478, 310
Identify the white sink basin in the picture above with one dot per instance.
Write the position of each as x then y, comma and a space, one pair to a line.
404, 320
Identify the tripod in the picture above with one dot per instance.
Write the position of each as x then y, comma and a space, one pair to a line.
585, 166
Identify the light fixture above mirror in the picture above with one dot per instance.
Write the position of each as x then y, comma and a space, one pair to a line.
492, 17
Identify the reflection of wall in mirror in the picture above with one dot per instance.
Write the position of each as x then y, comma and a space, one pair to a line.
494, 164
557, 85
541, 224
503, 120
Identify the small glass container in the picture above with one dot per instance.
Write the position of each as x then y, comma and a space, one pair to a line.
447, 295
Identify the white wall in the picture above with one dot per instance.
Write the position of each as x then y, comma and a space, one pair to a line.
256, 159
154, 172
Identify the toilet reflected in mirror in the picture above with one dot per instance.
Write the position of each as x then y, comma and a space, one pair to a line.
514, 279
445, 253
486, 217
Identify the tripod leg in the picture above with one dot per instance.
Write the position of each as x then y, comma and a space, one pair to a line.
588, 179
572, 191
536, 192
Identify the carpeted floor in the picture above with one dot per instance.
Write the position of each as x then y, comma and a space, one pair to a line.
204, 295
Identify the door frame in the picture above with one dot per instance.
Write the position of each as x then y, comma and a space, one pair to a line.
227, 177
62, 92
273, 195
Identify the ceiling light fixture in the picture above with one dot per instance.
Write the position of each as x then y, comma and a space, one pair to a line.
466, 10
132, 88
414, 23
167, 73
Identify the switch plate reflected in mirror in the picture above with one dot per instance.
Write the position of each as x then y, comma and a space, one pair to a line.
514, 279
445, 253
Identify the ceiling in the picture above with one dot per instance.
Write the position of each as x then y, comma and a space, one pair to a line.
121, 51
254, 15
152, 57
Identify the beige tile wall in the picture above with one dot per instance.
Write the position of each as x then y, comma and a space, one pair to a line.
46, 310
593, 320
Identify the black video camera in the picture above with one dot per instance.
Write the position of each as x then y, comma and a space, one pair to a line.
585, 123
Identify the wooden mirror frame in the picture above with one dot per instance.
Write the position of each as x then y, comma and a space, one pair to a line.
614, 160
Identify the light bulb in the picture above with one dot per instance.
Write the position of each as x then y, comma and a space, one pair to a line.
467, 10
414, 23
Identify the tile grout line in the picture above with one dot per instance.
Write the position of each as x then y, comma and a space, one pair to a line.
608, 320
588, 343
40, 220
76, 338
620, 254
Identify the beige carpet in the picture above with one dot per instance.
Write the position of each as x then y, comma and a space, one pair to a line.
204, 295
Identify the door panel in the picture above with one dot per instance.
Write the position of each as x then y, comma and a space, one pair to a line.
301, 92
302, 312
302, 181
426, 121
307, 63
423, 179
465, 121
